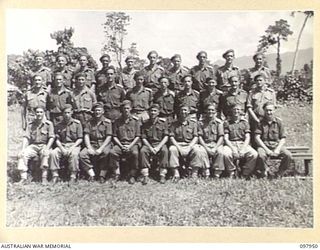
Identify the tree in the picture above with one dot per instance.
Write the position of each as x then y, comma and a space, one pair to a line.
115, 31
274, 34
308, 14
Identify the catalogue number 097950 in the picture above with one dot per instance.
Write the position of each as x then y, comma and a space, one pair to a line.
308, 246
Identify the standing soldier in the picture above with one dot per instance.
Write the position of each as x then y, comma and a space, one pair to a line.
140, 97
187, 97
270, 137
201, 71
211, 138
41, 70
237, 140
97, 138
127, 75
258, 68
82, 99
154, 137
126, 135
105, 61
209, 95
37, 142
69, 135
63, 69
228, 69
164, 97
58, 98
235, 95
35, 97
176, 73
88, 72
111, 94
184, 147
153, 72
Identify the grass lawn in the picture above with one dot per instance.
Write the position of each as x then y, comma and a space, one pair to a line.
254, 203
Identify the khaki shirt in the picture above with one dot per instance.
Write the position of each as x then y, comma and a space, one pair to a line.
175, 77
98, 131
199, 76
34, 99
141, 98
210, 131
208, 98
191, 100
271, 132
68, 74
83, 100
237, 130
256, 100
57, 100
90, 76
126, 79
156, 131
232, 98
45, 73
112, 97
184, 131
127, 130
69, 132
152, 76
223, 74
165, 101
39, 133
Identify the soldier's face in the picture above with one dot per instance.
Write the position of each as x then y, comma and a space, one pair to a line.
211, 84
260, 82
83, 61
126, 109
202, 58
98, 112
39, 60
130, 63
102, 80
67, 113
140, 80
164, 83
184, 112
154, 112
81, 81
110, 75
105, 62
153, 58
269, 112
229, 57
187, 82
62, 62
211, 111
236, 111
234, 82
58, 82
39, 113
37, 81
176, 62
258, 60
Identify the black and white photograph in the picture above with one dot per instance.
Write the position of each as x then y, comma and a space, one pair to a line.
159, 118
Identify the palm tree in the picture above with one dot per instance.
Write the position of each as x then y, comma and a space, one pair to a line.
308, 14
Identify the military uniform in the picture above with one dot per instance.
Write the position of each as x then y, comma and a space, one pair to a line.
252, 73
152, 76
67, 134
175, 76
154, 132
126, 79
166, 103
98, 131
112, 98
38, 135
68, 73
45, 74
126, 131
90, 76
232, 98
200, 75
271, 133
141, 100
224, 73
211, 131
56, 101
187, 99
82, 102
237, 131
183, 133
206, 98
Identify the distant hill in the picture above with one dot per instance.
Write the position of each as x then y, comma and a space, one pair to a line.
304, 56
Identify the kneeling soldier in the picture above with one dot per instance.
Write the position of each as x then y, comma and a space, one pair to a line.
37, 142
97, 138
237, 139
211, 138
184, 138
270, 138
154, 137
126, 135
68, 139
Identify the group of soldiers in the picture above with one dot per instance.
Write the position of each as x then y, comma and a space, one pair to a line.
177, 122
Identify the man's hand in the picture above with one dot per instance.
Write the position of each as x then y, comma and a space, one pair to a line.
98, 151
45, 152
276, 152
125, 148
91, 151
156, 149
269, 152
20, 154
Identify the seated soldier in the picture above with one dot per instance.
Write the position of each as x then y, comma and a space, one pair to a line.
184, 147
69, 136
37, 142
97, 139
154, 137
211, 138
126, 135
270, 138
237, 139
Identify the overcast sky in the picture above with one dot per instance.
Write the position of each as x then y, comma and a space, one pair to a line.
167, 32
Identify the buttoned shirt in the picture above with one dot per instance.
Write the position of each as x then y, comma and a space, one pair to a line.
33, 99
155, 131
112, 96
45, 73
152, 76
200, 75
90, 77
57, 100
165, 101
83, 100
271, 131
175, 76
207, 98
69, 131
232, 98
257, 98
98, 130
126, 130
224, 73
190, 99
67, 72
237, 130
211, 130
141, 98
39, 132
184, 131
252, 73
126, 78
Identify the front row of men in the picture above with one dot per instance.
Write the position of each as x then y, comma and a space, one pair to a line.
206, 147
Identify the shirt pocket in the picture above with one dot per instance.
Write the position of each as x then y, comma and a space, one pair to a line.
87, 102
274, 134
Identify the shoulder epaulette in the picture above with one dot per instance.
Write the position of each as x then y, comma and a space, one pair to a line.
278, 118
185, 68
242, 118
235, 67
76, 121
209, 67
219, 91
107, 120
46, 68
193, 120
218, 120
48, 122
162, 119
135, 117
119, 85
197, 92
171, 93
147, 89
270, 89
160, 67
